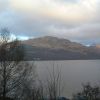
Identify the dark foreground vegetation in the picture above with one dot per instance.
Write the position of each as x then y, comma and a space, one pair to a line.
7, 98
88, 92
19, 81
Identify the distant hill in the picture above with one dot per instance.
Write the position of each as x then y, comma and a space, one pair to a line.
53, 48
97, 46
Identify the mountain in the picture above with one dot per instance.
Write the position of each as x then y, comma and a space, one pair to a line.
53, 48
97, 46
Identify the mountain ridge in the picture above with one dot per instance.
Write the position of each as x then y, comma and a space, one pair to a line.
53, 48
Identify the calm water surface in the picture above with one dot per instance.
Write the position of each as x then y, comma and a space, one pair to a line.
74, 73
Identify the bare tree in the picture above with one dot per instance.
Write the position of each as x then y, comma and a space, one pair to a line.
33, 88
27, 88
54, 83
88, 92
50, 88
11, 71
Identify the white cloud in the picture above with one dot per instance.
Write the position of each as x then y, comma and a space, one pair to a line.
83, 10
73, 19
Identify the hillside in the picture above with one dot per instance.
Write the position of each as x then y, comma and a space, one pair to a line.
53, 48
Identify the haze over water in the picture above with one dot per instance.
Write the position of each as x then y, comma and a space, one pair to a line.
73, 72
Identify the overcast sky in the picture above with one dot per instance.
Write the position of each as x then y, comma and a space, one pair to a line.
76, 20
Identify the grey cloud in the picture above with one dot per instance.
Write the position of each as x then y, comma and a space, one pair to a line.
36, 25
84, 33
3, 5
39, 26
